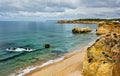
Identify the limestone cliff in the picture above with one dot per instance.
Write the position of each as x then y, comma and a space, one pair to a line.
109, 27
103, 57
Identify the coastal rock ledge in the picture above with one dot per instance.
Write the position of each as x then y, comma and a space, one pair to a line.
108, 27
103, 57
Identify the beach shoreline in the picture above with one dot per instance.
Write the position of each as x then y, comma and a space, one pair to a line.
72, 63
30, 69
50, 69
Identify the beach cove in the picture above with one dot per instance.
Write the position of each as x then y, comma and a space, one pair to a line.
71, 64
100, 58
35, 35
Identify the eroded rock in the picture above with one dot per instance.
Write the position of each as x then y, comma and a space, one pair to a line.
103, 57
109, 27
81, 30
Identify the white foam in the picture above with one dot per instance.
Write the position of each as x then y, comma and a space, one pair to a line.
20, 50
31, 68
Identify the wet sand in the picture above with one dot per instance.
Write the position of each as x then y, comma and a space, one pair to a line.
71, 65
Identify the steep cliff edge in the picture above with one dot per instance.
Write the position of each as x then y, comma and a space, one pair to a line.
109, 27
103, 57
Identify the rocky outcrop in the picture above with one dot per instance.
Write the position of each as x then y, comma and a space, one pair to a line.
81, 30
108, 27
103, 57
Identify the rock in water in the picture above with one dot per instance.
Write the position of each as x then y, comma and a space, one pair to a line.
81, 30
47, 45
103, 57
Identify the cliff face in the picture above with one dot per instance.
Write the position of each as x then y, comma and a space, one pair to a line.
103, 57
104, 28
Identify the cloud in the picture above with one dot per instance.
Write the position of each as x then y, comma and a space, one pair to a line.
59, 8
101, 3
37, 5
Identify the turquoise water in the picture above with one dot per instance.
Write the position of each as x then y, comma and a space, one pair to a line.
35, 35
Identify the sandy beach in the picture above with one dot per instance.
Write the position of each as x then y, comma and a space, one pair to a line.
71, 65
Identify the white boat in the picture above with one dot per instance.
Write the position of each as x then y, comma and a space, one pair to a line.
19, 49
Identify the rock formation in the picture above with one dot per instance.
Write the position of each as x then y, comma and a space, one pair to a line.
81, 30
47, 45
108, 27
103, 57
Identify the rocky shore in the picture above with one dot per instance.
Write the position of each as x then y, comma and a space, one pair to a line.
108, 27
102, 58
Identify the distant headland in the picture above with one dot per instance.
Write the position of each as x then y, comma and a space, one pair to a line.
88, 21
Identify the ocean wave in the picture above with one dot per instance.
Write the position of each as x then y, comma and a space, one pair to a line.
9, 56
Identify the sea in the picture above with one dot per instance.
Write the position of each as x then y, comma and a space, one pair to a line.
34, 35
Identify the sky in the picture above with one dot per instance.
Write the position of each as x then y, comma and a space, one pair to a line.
58, 9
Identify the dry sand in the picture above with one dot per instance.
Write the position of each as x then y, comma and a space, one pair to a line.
71, 65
